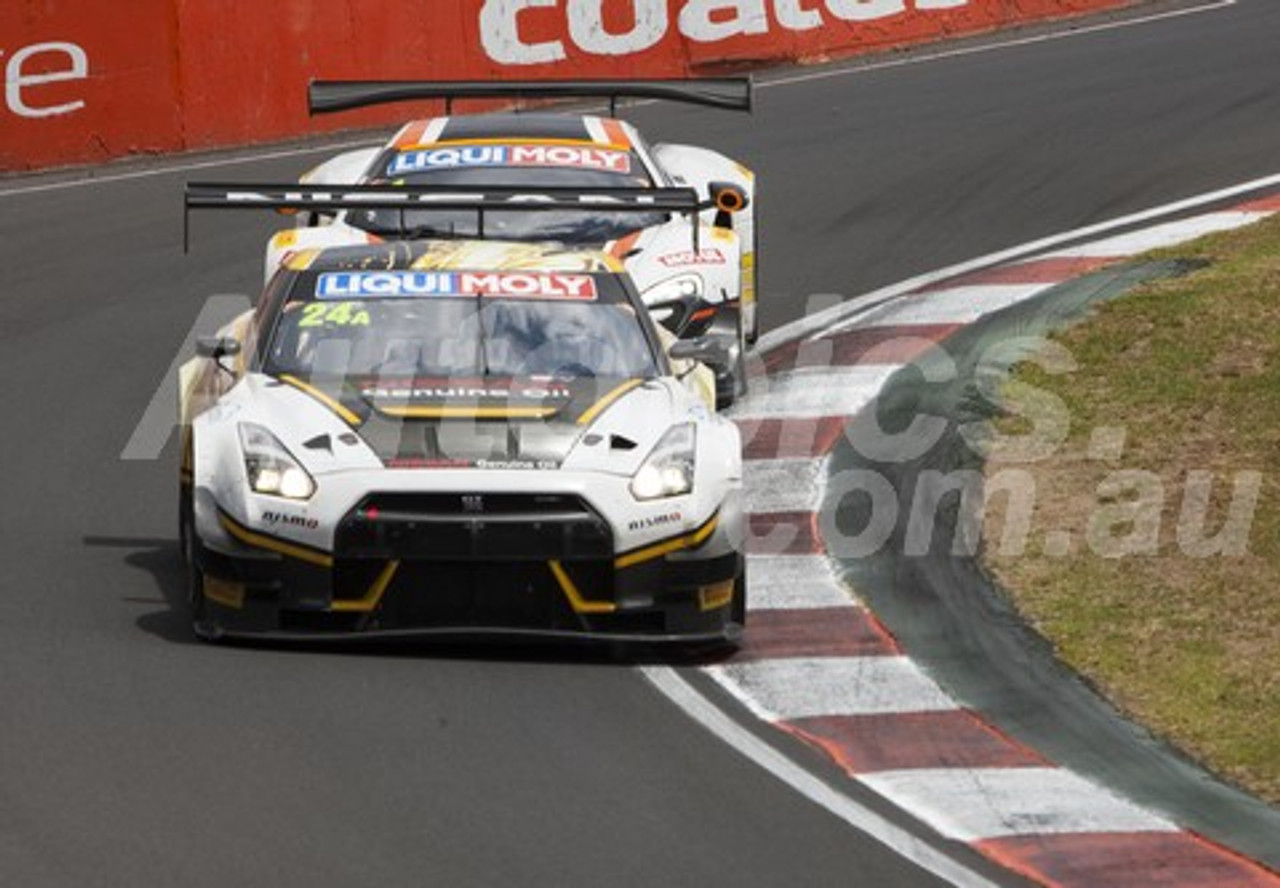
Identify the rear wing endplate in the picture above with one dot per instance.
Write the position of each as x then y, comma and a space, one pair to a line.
249, 196
728, 93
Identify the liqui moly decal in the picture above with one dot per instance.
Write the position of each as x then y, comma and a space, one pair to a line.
572, 156
419, 284
515, 32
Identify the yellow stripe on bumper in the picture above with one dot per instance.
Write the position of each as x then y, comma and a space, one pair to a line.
675, 544
579, 604
373, 597
271, 544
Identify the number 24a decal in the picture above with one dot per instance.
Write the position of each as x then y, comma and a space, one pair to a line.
318, 314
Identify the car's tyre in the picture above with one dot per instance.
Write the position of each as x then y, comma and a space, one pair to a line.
201, 622
735, 628
732, 384
739, 612
185, 521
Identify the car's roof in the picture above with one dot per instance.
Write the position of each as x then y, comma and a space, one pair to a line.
535, 126
455, 255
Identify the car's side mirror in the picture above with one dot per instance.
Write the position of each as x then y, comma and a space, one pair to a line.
662, 315
217, 348
703, 349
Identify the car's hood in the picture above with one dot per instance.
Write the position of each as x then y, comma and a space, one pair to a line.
501, 423
592, 424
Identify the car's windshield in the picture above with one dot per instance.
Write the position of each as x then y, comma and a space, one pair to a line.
490, 166
439, 324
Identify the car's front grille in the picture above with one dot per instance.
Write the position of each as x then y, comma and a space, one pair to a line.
470, 594
473, 594
474, 527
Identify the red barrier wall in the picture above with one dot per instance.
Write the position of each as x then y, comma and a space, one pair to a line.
124, 98
86, 80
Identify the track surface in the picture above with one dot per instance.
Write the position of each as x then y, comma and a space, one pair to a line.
131, 755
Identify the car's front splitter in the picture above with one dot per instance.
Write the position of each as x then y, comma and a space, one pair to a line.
689, 587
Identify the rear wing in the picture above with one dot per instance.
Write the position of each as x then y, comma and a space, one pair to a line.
248, 196
728, 93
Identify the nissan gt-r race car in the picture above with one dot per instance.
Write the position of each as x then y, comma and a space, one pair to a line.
704, 284
457, 437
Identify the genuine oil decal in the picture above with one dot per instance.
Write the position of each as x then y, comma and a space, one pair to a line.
425, 391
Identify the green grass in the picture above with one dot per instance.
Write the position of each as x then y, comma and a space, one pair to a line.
1190, 368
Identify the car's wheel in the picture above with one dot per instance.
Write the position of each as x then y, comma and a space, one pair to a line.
732, 384
735, 627
201, 622
739, 612
184, 523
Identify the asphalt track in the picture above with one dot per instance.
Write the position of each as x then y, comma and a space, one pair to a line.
131, 755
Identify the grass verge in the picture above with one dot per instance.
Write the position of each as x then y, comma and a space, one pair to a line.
1145, 564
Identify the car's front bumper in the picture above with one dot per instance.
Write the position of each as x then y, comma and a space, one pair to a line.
415, 571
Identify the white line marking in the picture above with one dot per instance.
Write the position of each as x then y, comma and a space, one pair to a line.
814, 392
1031, 801
982, 803
924, 56
764, 84
842, 316
958, 305
994, 47
783, 485
800, 687
794, 582
1169, 235
336, 147
867, 821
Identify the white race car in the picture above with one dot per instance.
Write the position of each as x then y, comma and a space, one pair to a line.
457, 437
704, 285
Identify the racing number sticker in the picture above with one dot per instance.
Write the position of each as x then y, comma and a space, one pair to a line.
338, 314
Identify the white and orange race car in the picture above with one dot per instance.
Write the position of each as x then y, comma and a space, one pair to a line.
695, 267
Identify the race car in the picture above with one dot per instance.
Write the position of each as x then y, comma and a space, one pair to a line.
697, 285
455, 437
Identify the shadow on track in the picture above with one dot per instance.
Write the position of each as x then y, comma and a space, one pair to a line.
158, 558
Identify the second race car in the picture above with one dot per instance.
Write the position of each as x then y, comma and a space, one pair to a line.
695, 286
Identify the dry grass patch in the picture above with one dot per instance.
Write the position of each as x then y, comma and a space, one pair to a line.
1186, 642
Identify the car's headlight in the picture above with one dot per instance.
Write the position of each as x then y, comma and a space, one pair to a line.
669, 468
681, 288
271, 468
